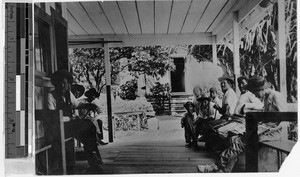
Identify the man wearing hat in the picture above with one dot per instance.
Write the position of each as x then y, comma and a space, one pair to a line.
229, 101
229, 98
83, 130
273, 101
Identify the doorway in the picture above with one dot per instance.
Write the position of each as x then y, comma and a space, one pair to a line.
177, 76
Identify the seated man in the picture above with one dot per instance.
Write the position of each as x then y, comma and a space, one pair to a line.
247, 101
83, 130
229, 101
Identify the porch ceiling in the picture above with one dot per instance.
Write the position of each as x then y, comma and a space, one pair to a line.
159, 22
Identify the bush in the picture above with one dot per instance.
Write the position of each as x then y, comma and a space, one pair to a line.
159, 94
129, 90
160, 89
129, 122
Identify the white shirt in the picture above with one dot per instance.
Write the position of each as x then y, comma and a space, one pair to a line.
250, 101
231, 99
52, 101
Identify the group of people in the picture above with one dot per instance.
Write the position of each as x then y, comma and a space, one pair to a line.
84, 125
221, 123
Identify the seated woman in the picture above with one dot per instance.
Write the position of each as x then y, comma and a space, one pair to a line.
83, 130
187, 122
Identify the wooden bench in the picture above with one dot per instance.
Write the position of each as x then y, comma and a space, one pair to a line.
56, 141
252, 144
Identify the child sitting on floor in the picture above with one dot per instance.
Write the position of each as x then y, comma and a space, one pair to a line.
187, 122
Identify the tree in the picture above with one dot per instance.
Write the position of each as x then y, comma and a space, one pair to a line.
258, 49
88, 66
152, 61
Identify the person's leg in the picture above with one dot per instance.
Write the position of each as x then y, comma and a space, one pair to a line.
86, 133
100, 125
187, 135
213, 141
228, 157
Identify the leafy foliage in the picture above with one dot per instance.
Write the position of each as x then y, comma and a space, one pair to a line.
160, 92
129, 90
152, 61
161, 89
202, 52
258, 50
88, 66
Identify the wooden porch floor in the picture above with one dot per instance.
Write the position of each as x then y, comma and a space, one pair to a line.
155, 156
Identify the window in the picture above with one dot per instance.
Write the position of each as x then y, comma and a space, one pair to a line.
42, 52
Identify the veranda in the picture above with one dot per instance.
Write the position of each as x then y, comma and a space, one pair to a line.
150, 23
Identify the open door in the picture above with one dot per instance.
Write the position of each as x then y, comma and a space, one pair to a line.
177, 76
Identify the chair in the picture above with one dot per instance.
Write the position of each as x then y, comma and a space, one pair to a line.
54, 146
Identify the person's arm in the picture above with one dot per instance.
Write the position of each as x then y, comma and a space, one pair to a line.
231, 101
75, 103
51, 102
253, 104
211, 110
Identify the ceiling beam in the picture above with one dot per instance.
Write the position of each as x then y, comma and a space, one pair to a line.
244, 8
151, 40
228, 17
251, 21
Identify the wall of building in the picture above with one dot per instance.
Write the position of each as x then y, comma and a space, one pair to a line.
204, 74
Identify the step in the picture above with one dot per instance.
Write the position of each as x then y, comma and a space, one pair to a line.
177, 109
179, 101
177, 105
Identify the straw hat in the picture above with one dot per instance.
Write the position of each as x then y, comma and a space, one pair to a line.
77, 87
92, 92
187, 104
58, 76
226, 77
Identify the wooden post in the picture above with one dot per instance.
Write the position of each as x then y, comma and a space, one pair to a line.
214, 50
281, 47
108, 92
62, 142
236, 49
251, 144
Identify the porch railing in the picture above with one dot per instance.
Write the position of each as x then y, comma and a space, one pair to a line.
252, 144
